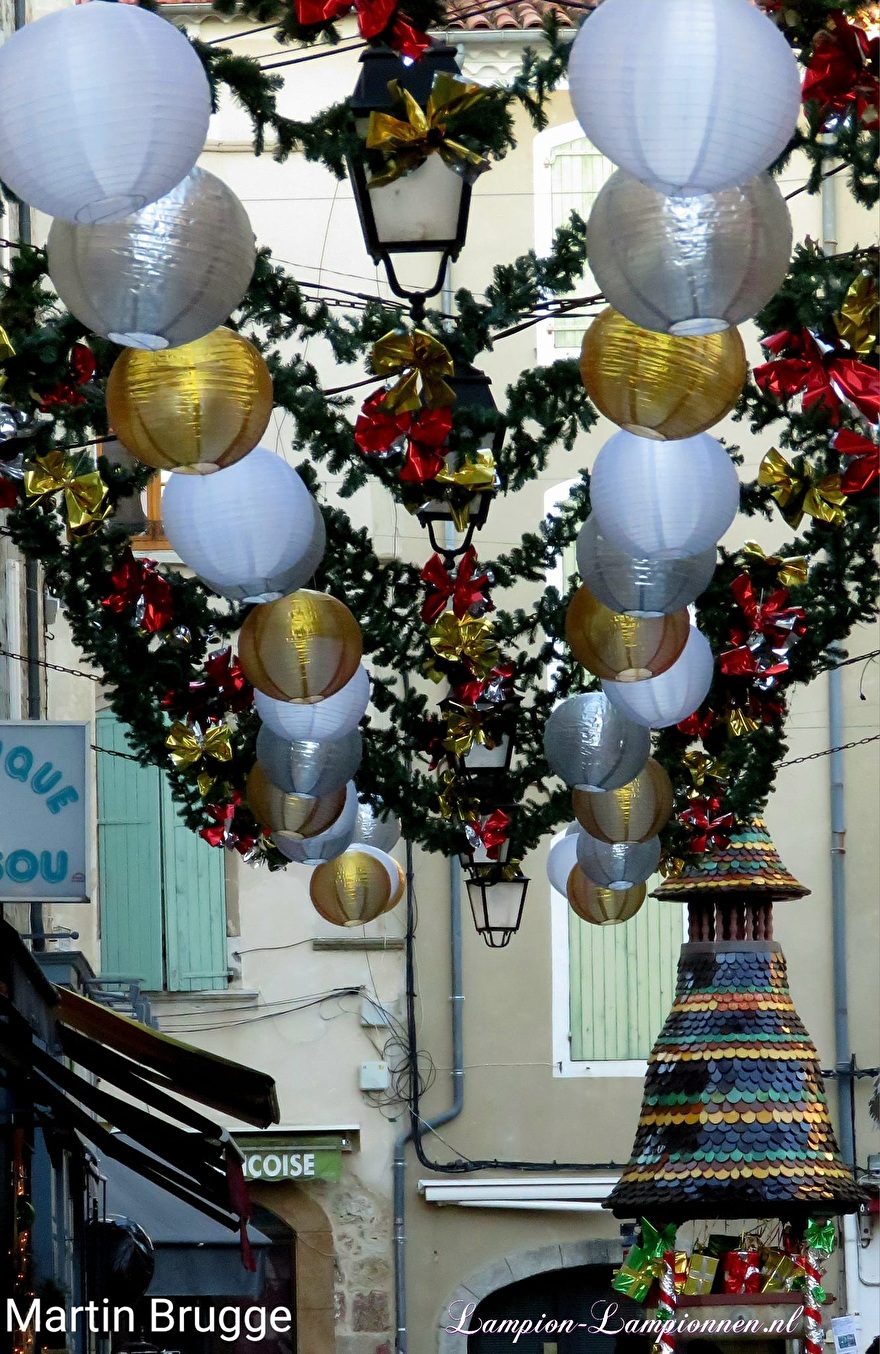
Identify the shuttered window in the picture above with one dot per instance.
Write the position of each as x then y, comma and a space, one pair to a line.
577, 172
162, 889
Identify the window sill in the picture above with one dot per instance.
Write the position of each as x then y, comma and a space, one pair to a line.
163, 1004
598, 1068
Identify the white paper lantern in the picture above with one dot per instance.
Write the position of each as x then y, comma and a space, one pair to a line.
103, 108
640, 586
326, 845
376, 828
689, 95
307, 768
689, 265
562, 858
253, 532
675, 694
663, 500
590, 746
167, 275
617, 865
329, 718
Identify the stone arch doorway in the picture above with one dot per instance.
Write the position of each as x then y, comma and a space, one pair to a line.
599, 1257
313, 1262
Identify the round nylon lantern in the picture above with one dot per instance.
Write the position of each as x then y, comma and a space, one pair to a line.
301, 648
590, 746
376, 828
333, 717
622, 648
675, 694
689, 265
602, 907
308, 768
293, 815
103, 108
169, 274
640, 586
196, 408
325, 845
664, 500
660, 385
351, 890
395, 872
562, 858
635, 812
689, 95
253, 533
617, 865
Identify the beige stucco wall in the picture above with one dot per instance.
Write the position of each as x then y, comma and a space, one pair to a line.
514, 1106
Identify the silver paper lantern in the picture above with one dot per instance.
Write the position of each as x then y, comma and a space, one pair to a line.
640, 586
325, 845
591, 746
308, 767
617, 865
167, 275
689, 265
376, 828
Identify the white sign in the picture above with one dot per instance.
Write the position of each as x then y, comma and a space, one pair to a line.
279, 1165
845, 1333
43, 812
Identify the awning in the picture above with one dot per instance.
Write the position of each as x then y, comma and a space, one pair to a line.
194, 1255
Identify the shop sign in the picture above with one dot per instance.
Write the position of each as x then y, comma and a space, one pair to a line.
281, 1159
43, 804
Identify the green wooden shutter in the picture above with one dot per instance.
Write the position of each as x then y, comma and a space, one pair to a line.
129, 861
577, 172
622, 982
195, 906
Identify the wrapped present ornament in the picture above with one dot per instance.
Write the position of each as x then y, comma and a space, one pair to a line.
778, 1270
741, 1272
643, 1264
702, 1269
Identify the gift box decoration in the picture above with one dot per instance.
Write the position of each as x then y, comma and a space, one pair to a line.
701, 1273
741, 1272
719, 1244
778, 1269
635, 1276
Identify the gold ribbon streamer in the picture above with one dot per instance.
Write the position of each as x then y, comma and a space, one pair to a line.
406, 142
791, 571
85, 496
856, 321
188, 746
797, 496
422, 361
469, 640
477, 475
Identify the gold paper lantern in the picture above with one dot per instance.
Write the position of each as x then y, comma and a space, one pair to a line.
400, 888
603, 907
658, 385
294, 815
620, 647
301, 648
196, 408
351, 890
635, 812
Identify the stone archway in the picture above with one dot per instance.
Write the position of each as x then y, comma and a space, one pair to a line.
315, 1273
518, 1265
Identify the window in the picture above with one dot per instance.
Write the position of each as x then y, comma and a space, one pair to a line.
162, 889
612, 985
569, 172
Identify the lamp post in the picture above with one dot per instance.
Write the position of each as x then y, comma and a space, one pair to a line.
425, 211
497, 903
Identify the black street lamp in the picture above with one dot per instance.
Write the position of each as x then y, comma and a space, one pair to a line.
497, 903
425, 211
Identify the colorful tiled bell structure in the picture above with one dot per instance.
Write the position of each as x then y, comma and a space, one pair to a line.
734, 1120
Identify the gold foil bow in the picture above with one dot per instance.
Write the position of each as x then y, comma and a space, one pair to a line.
85, 495
797, 496
671, 867
791, 571
188, 746
856, 321
421, 361
452, 801
6, 350
468, 640
701, 765
477, 475
740, 722
464, 729
406, 142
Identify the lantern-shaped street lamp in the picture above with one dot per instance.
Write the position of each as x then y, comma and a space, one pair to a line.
426, 210
473, 394
496, 902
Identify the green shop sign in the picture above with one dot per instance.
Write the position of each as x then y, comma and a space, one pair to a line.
277, 1157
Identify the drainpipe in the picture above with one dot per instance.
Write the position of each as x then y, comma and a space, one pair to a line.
837, 787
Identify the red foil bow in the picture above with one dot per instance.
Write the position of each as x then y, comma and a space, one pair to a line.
490, 832
222, 832
137, 586
818, 377
374, 17
422, 436
223, 690
863, 470
82, 370
842, 72
712, 826
496, 689
761, 650
463, 589
696, 725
